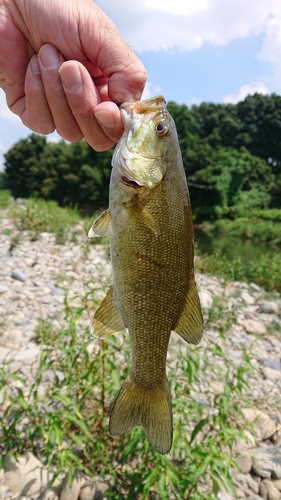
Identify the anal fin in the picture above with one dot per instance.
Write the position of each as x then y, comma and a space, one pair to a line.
190, 325
107, 319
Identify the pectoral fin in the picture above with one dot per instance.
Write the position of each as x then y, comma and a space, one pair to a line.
190, 324
107, 319
137, 209
101, 226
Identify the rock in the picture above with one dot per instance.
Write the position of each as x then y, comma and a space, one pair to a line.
58, 291
72, 492
247, 298
259, 471
263, 425
272, 363
27, 475
253, 484
206, 299
263, 491
271, 374
269, 460
268, 307
272, 492
242, 444
277, 484
17, 274
5, 492
255, 287
3, 289
88, 492
94, 491
28, 354
244, 464
217, 387
255, 497
102, 487
5, 355
253, 326
222, 495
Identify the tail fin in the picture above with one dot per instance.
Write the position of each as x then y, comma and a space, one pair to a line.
150, 408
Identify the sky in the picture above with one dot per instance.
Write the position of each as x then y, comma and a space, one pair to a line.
194, 50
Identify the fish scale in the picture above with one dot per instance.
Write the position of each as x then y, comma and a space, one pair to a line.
154, 291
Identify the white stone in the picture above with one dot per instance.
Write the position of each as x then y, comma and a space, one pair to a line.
206, 299
247, 298
27, 475
268, 307
263, 425
253, 326
27, 354
271, 374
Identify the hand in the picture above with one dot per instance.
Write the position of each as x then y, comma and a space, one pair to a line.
64, 66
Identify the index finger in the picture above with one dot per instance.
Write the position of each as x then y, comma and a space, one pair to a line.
107, 49
83, 99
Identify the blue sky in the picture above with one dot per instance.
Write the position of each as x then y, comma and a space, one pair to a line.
194, 50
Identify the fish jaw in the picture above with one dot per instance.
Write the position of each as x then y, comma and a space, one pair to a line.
139, 157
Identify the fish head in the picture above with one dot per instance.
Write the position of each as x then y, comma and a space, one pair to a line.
139, 157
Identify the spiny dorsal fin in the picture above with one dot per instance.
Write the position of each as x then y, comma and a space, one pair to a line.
107, 319
190, 324
101, 226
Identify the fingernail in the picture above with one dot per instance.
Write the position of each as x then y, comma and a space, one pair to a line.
106, 119
34, 65
50, 57
71, 77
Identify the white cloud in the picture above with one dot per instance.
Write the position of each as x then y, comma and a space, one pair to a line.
167, 25
4, 110
151, 91
271, 47
177, 6
247, 89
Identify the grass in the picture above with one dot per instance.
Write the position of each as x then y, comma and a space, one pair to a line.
265, 271
62, 416
38, 216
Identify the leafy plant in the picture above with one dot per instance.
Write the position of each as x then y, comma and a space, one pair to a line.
264, 271
62, 416
5, 198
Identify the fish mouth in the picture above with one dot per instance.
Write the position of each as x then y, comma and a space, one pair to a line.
130, 183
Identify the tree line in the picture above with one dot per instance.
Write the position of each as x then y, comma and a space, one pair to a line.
231, 155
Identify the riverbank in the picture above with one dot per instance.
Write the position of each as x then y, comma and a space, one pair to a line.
58, 383
245, 249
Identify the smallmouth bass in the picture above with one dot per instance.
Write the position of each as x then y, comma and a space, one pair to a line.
154, 291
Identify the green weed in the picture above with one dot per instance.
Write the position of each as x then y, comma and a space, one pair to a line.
38, 216
62, 417
264, 271
5, 198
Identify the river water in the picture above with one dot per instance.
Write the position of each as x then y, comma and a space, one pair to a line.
232, 247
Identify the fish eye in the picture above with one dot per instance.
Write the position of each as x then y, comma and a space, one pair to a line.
161, 128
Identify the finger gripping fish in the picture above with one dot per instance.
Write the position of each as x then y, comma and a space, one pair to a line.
154, 291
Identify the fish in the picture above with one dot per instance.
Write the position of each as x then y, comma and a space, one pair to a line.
153, 289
